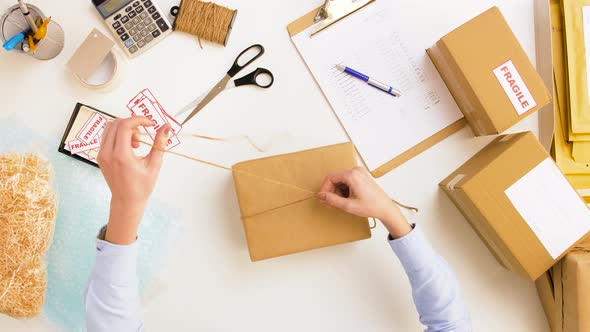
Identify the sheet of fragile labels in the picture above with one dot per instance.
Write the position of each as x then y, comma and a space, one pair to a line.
85, 135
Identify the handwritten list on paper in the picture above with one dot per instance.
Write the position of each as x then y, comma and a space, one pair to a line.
371, 41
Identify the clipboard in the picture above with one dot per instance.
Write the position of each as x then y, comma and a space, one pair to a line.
306, 21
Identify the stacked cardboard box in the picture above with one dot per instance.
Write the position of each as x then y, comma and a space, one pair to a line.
489, 74
520, 204
516, 198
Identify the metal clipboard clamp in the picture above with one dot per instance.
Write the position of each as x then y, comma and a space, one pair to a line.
334, 10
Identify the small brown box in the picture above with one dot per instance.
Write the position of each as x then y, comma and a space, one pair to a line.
489, 74
519, 204
280, 212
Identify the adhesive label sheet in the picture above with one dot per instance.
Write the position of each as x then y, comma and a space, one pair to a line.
551, 207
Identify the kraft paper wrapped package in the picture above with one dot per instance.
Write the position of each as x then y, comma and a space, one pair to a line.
280, 211
565, 293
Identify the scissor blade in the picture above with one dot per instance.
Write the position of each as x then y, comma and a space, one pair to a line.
209, 97
191, 106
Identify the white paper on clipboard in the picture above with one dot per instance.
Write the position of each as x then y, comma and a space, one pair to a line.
376, 41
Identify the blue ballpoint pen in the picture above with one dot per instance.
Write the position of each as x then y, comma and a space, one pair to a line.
374, 83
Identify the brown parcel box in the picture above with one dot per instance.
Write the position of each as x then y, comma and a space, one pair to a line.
565, 293
489, 74
277, 200
519, 204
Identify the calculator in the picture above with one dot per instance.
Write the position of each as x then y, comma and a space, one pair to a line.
136, 24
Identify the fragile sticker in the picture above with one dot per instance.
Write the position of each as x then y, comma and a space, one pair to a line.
91, 128
145, 104
515, 88
77, 146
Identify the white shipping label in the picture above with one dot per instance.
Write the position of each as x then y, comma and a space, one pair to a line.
586, 22
515, 88
551, 207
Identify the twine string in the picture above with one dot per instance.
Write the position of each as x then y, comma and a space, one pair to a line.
311, 196
206, 20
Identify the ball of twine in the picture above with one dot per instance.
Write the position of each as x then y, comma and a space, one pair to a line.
27, 219
206, 20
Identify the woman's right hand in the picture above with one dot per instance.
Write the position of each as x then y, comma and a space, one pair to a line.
354, 191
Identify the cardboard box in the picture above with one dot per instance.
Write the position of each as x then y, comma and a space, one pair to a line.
518, 202
280, 211
489, 74
565, 293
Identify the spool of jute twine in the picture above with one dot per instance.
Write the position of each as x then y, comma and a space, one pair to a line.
206, 20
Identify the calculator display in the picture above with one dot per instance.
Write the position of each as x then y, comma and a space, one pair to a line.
107, 8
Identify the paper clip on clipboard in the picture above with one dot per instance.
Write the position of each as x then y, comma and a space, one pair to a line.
334, 10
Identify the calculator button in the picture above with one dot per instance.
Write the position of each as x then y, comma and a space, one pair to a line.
129, 25
136, 20
129, 43
148, 39
132, 14
117, 17
147, 21
156, 33
120, 31
128, 9
152, 27
125, 19
141, 44
136, 3
139, 9
144, 32
124, 37
143, 15
116, 25
151, 10
137, 38
132, 49
133, 31
162, 25
147, 3
156, 16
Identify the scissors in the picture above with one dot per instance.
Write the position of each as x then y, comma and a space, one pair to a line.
226, 82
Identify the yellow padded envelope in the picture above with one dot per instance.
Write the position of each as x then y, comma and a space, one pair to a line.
579, 121
280, 211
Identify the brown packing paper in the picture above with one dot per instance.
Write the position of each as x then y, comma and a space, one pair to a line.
565, 293
279, 210
307, 20
576, 291
551, 304
576, 66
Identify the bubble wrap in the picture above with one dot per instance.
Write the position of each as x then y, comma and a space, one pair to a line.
83, 208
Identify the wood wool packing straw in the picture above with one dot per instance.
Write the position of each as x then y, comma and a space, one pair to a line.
206, 20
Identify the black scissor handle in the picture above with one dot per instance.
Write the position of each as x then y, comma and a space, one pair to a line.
236, 67
251, 79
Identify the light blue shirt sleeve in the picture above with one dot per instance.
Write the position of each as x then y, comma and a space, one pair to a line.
435, 288
111, 299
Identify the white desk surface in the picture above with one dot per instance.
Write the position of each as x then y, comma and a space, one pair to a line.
211, 285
